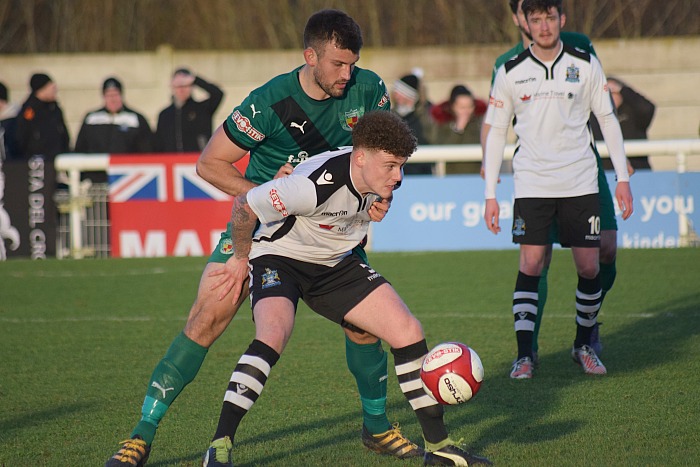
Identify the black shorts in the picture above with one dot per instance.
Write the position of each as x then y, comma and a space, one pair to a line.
578, 219
329, 291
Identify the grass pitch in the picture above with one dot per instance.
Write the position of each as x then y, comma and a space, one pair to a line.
79, 339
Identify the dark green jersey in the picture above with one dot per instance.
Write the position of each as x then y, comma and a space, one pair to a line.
280, 123
573, 39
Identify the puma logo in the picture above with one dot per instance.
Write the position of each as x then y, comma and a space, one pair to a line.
252, 107
296, 125
155, 384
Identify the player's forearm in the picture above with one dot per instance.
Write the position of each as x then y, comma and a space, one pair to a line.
223, 176
612, 134
493, 158
243, 221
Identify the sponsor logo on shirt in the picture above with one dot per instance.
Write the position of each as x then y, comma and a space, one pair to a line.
495, 102
334, 213
277, 203
526, 98
383, 101
531, 79
244, 126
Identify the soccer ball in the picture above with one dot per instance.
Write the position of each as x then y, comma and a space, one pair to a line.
452, 373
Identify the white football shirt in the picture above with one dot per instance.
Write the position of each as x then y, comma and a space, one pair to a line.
314, 215
551, 103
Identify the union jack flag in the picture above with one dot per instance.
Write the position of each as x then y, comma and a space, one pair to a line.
158, 178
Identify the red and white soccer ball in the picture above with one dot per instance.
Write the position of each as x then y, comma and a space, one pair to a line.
452, 373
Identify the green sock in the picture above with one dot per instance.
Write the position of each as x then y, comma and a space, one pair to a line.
175, 371
541, 300
368, 364
608, 272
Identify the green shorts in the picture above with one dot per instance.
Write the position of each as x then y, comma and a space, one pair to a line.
224, 249
607, 208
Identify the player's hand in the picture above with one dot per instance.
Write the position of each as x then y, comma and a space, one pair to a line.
378, 210
491, 214
232, 278
623, 195
285, 170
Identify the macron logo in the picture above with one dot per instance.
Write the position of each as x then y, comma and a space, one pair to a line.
325, 179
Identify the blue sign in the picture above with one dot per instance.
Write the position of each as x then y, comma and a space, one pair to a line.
443, 214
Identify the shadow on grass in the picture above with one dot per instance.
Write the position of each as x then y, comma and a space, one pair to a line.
41, 417
522, 409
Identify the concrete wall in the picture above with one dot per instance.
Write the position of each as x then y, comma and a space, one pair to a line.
665, 70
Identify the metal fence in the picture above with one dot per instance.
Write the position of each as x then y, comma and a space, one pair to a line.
91, 206
83, 230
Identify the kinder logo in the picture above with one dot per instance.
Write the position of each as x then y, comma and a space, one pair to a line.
244, 126
495, 102
277, 203
385, 99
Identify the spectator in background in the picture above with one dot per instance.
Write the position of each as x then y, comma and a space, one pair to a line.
409, 102
458, 121
40, 125
634, 112
115, 128
185, 126
8, 124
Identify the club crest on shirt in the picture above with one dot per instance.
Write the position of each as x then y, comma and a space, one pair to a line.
226, 247
348, 120
572, 74
270, 278
519, 226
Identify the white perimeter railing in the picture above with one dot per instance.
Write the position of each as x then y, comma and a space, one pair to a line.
74, 164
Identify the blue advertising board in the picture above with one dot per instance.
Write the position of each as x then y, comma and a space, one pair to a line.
443, 214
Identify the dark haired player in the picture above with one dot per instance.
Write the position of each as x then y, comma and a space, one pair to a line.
289, 119
608, 223
551, 89
307, 225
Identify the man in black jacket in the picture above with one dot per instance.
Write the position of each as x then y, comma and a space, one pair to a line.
41, 128
185, 126
114, 128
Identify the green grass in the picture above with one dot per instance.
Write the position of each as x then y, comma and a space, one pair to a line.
79, 339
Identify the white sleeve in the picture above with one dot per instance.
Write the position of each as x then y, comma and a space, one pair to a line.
601, 102
493, 158
612, 134
282, 197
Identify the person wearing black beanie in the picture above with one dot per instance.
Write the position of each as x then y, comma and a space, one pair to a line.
41, 128
114, 128
38, 81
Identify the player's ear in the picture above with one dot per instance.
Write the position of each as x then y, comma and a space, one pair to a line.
562, 21
360, 156
310, 56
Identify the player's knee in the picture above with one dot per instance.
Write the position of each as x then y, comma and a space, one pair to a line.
361, 338
207, 321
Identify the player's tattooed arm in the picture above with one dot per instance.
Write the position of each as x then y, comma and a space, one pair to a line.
243, 221
233, 275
